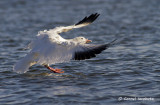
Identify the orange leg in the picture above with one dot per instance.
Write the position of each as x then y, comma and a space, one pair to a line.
54, 70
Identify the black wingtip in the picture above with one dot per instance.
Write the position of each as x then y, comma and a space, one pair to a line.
111, 43
88, 19
90, 53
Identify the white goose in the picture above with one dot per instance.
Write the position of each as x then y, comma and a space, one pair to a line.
50, 48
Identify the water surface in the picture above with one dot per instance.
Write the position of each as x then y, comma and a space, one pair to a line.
128, 69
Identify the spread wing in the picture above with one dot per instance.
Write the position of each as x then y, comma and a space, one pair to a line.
51, 52
55, 32
84, 22
87, 51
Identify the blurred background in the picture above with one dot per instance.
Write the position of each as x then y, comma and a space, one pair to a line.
128, 69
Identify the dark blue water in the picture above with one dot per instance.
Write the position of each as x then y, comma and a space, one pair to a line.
129, 69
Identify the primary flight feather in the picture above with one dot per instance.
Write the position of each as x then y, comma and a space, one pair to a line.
50, 48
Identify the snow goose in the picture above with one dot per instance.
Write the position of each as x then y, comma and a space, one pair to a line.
49, 48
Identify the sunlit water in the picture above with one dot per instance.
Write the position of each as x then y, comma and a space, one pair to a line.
128, 69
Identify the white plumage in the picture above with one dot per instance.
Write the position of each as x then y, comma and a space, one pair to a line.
50, 48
